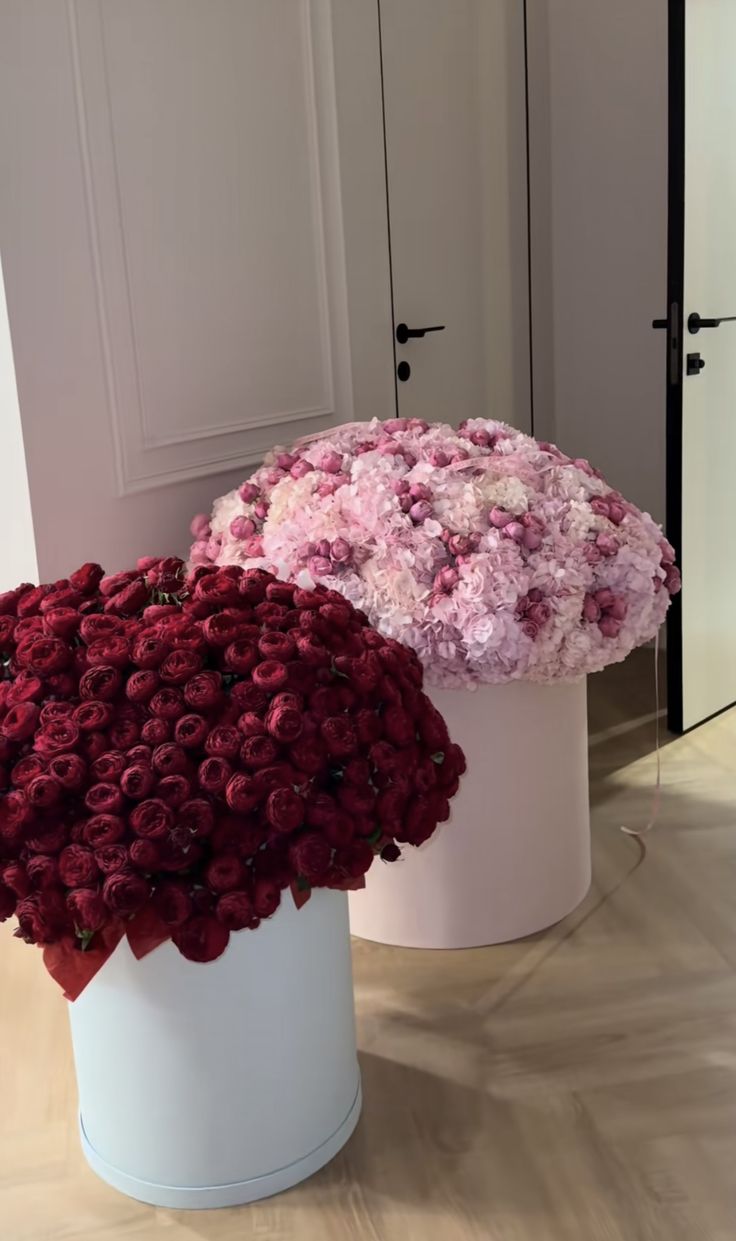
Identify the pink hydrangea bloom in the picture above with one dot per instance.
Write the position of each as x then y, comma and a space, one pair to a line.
494, 556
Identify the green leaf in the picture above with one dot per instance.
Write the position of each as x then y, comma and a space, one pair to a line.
85, 937
438, 758
303, 884
375, 836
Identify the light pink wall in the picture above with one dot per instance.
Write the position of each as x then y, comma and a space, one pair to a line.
18, 548
598, 110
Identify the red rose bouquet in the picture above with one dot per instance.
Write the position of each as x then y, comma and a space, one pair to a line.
176, 751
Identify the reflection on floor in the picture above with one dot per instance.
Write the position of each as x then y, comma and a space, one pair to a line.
577, 1086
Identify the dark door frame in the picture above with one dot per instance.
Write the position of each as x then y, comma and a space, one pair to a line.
675, 288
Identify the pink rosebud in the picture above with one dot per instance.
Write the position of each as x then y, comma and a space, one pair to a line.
417, 424
410, 459
327, 488
499, 518
672, 579
535, 595
539, 613
323, 548
418, 491
199, 553
608, 544
320, 566
481, 438
300, 468
592, 554
604, 598
460, 455
200, 527
474, 540
668, 552
616, 512
285, 460
420, 511
514, 530
530, 628
458, 544
274, 476
254, 546
591, 611
446, 579
341, 551
532, 539
392, 425
340, 480
331, 462
439, 458
214, 546
248, 493
405, 503
261, 510
242, 527
401, 487
583, 465
599, 506
609, 626
388, 448
618, 609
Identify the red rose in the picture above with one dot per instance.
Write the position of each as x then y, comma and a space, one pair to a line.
20, 721
218, 588
241, 656
172, 903
271, 615
285, 810
129, 600
92, 716
97, 626
170, 760
253, 585
102, 683
242, 794
266, 898
150, 652
152, 819
225, 873
87, 578
359, 802
77, 867
312, 651
309, 755
43, 872
58, 737
355, 858
53, 711
111, 857
339, 736
273, 645
279, 775
386, 758
142, 685
390, 809
9, 599
197, 816
251, 725
156, 732
213, 774
202, 938
248, 697
324, 702
52, 840
165, 574
25, 688
311, 856
48, 655
270, 675
180, 666
203, 691
125, 893
223, 742
259, 752
109, 767
87, 909
235, 911
30, 601
222, 629
15, 876
398, 726
26, 770
62, 622
103, 829
174, 790
43, 792
137, 781
190, 731
70, 770
146, 855
41, 917
113, 650
168, 704
103, 798
432, 728
285, 723
124, 733
7, 631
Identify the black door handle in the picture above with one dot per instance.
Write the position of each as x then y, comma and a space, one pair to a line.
695, 322
404, 333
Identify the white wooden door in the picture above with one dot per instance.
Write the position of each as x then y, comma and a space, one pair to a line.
702, 452
194, 238
455, 116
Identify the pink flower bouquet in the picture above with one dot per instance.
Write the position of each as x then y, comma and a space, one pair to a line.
494, 556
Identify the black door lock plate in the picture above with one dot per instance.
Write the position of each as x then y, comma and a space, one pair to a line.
695, 364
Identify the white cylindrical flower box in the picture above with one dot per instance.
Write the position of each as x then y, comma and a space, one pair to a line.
515, 856
213, 1085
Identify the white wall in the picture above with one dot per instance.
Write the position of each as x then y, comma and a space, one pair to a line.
17, 544
598, 139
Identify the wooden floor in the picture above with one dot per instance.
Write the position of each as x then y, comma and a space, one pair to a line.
578, 1086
